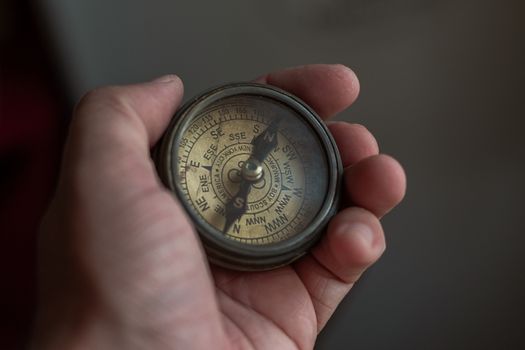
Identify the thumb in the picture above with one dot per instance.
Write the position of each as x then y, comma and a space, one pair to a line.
142, 109
128, 235
112, 130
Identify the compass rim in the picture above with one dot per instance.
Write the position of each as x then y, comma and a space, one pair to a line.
225, 251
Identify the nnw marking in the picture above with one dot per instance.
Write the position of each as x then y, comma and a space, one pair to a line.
276, 223
257, 220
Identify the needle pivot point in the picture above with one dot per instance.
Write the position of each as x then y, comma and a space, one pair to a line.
252, 170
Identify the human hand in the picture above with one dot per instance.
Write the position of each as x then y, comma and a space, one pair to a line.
121, 266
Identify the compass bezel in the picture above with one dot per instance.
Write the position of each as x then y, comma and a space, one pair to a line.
225, 251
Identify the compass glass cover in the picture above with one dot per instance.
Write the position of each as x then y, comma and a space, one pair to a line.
251, 169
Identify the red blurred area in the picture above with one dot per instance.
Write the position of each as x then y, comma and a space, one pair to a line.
32, 121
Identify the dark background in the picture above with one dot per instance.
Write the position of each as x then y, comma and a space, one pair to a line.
442, 88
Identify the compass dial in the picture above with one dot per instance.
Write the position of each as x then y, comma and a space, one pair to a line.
256, 172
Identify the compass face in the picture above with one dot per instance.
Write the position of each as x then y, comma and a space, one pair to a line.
255, 169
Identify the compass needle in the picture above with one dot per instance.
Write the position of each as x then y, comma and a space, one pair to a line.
236, 207
269, 179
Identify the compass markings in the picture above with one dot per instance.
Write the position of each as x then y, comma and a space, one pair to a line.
297, 191
256, 220
276, 223
290, 209
202, 203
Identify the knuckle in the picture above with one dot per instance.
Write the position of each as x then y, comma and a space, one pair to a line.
110, 98
89, 98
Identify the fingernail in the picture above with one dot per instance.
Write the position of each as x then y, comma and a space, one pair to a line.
359, 231
261, 79
166, 78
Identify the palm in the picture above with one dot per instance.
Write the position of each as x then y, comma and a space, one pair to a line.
278, 311
260, 310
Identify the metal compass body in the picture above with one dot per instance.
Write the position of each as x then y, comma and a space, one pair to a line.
257, 172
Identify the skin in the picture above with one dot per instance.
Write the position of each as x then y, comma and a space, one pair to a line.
121, 267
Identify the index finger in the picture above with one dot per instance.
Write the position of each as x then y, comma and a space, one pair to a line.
327, 88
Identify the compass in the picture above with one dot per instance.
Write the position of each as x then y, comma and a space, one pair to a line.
256, 170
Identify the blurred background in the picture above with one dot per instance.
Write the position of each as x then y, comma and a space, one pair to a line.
442, 88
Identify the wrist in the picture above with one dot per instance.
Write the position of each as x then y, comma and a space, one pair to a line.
77, 329
70, 331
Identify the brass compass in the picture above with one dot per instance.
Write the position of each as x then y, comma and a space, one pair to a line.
256, 170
